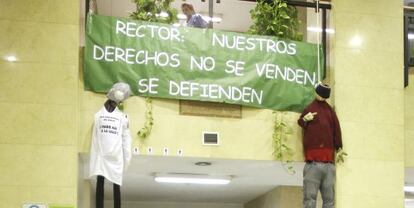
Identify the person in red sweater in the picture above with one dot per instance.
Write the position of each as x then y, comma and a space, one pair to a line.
321, 138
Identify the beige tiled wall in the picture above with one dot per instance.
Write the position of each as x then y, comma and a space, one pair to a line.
38, 101
281, 197
409, 123
246, 138
369, 100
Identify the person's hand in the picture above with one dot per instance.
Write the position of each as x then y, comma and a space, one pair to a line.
340, 156
309, 116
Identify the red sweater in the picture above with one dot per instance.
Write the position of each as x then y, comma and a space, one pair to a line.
322, 135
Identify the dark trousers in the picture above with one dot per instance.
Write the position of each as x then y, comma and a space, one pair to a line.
100, 194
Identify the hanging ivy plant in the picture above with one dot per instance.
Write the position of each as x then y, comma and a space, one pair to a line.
155, 11
277, 18
149, 120
281, 151
152, 11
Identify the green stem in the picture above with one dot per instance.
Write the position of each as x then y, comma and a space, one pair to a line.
149, 120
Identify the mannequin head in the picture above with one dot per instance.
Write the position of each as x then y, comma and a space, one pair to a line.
323, 91
117, 94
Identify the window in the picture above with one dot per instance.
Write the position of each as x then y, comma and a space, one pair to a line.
408, 42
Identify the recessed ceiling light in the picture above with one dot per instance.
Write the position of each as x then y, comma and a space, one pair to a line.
216, 19
409, 188
181, 16
204, 181
192, 179
356, 41
206, 18
11, 58
203, 163
212, 19
316, 29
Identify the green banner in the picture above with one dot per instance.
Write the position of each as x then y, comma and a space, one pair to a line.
166, 61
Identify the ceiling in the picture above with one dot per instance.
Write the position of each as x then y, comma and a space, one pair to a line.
250, 179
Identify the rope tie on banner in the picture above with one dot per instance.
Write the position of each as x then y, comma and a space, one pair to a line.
91, 11
92, 7
318, 42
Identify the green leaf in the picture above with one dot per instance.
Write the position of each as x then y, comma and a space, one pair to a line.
145, 7
275, 19
282, 5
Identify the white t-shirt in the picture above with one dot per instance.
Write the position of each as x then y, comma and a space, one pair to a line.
111, 145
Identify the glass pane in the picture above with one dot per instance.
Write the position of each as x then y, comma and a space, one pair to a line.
410, 34
409, 2
229, 15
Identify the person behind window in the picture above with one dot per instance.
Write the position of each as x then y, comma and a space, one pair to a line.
193, 19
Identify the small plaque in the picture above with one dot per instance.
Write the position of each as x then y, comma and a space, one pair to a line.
199, 108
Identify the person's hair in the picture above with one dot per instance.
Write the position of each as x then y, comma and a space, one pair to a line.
188, 6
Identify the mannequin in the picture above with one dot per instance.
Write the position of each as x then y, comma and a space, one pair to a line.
111, 144
321, 139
